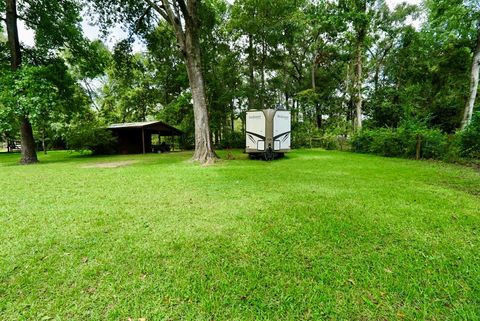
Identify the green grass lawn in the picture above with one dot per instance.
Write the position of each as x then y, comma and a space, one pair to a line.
316, 235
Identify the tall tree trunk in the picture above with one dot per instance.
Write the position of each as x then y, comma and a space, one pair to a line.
251, 75
318, 112
292, 108
295, 111
44, 145
262, 94
29, 154
376, 77
225, 124
468, 112
361, 28
184, 19
314, 72
203, 146
232, 116
204, 152
12, 31
5, 137
358, 85
345, 103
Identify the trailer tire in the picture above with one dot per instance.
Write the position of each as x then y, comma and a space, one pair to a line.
269, 155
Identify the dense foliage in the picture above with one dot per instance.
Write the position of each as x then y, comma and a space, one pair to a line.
470, 139
406, 70
404, 141
91, 137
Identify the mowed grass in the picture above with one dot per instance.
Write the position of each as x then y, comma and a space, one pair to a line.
316, 235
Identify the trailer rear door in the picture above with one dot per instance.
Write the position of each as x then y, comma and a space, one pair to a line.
281, 130
255, 128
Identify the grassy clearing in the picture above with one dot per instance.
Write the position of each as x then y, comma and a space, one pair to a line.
317, 235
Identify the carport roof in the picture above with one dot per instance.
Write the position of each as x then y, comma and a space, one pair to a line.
152, 125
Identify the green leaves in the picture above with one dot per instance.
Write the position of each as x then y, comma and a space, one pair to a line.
29, 92
454, 19
89, 61
56, 23
43, 93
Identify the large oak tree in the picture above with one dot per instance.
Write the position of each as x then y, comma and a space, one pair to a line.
56, 25
184, 19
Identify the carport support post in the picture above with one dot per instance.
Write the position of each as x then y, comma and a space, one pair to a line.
143, 139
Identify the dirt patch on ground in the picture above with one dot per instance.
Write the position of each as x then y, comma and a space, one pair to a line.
110, 164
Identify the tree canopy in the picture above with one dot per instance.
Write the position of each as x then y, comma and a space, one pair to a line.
338, 66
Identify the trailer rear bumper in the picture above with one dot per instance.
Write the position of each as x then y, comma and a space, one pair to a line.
268, 154
256, 151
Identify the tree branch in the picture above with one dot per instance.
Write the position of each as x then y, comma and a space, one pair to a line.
183, 7
139, 21
91, 94
158, 9
176, 24
177, 13
299, 72
371, 52
26, 20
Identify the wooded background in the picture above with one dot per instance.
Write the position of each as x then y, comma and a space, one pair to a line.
352, 72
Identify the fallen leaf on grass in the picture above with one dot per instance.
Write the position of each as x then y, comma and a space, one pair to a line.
90, 290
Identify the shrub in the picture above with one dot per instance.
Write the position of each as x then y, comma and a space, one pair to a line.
453, 154
307, 135
302, 135
361, 141
91, 137
233, 140
469, 139
329, 141
402, 142
390, 143
187, 141
435, 144
334, 138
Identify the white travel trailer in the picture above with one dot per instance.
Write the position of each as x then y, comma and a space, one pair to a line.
268, 133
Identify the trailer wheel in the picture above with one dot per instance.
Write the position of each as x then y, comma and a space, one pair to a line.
269, 154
